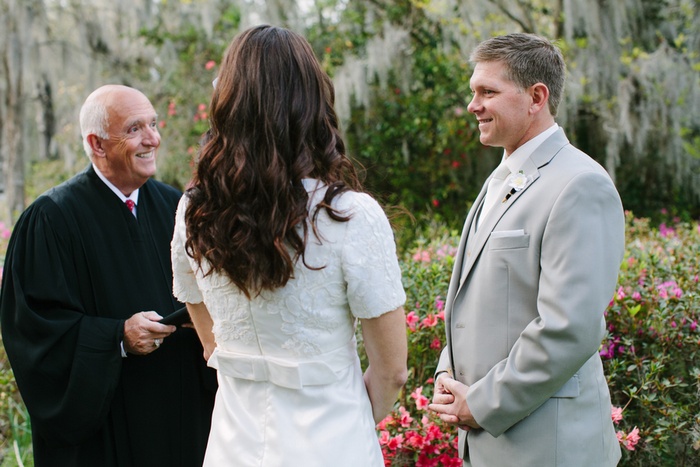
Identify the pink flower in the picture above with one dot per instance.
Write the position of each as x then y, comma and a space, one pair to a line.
411, 320
439, 304
387, 421
693, 325
616, 414
415, 440
665, 231
421, 401
171, 109
434, 432
422, 256
446, 250
636, 296
669, 289
621, 293
429, 321
209, 65
202, 107
629, 440
436, 344
405, 418
384, 437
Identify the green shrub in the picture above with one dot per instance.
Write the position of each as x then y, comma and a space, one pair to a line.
652, 349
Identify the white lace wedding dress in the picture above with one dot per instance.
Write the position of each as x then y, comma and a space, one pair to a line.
291, 391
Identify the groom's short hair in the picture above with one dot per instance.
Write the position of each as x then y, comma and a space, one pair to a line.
528, 59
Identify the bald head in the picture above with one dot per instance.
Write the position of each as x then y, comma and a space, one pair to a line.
97, 108
120, 134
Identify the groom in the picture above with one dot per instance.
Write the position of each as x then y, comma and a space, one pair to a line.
537, 265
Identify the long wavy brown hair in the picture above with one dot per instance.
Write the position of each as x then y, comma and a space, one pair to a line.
272, 124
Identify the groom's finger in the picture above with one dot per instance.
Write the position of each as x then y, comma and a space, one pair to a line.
444, 398
454, 386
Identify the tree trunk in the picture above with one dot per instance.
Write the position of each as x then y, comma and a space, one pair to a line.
17, 26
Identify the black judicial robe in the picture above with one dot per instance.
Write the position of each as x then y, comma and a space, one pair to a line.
77, 266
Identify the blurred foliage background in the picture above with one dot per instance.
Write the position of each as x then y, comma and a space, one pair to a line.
401, 74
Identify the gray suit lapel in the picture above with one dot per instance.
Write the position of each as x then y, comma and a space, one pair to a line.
539, 158
459, 261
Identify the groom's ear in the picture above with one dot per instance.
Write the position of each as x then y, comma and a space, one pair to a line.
539, 93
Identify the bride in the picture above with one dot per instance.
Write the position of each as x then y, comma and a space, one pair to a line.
278, 253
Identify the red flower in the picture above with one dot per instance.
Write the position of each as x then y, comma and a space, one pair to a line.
395, 442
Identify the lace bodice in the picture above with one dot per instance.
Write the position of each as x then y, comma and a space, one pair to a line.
315, 312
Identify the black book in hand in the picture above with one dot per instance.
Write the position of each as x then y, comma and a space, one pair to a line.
177, 317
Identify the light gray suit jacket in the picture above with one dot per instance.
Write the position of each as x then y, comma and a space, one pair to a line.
524, 315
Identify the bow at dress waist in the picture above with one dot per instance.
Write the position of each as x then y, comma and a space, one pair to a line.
284, 372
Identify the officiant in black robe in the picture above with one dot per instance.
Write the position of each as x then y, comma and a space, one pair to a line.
86, 278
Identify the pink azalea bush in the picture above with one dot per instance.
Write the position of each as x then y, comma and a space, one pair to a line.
411, 435
652, 348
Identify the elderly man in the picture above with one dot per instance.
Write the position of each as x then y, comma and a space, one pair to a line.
87, 277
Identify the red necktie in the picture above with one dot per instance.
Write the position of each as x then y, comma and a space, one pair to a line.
130, 204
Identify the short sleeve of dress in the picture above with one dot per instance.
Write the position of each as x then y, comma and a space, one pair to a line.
369, 261
185, 286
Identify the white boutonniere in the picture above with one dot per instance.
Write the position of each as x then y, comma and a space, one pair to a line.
516, 182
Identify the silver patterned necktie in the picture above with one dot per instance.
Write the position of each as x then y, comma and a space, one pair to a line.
493, 190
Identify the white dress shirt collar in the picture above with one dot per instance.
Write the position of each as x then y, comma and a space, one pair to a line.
516, 160
134, 196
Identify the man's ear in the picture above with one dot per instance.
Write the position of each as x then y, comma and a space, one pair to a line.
95, 143
540, 97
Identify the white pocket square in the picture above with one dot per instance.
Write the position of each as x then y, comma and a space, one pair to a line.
507, 233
